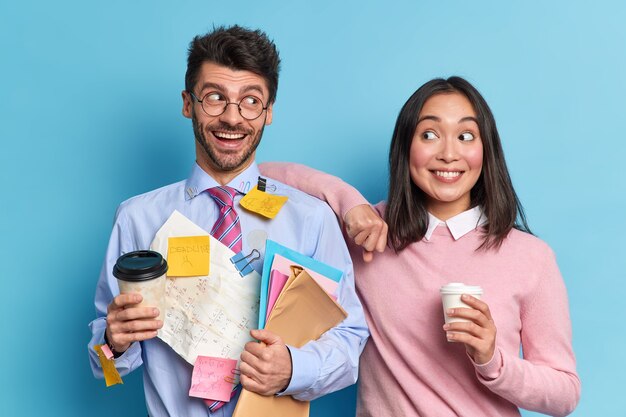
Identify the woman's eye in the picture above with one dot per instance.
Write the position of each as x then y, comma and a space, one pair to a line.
466, 136
428, 135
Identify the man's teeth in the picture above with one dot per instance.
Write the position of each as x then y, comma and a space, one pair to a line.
447, 174
224, 135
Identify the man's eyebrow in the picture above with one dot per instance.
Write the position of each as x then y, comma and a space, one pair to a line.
211, 85
220, 87
253, 87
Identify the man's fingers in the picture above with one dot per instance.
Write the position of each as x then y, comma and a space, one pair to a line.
137, 313
265, 336
123, 340
124, 300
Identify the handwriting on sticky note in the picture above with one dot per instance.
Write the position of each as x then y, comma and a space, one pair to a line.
265, 204
111, 376
188, 256
212, 378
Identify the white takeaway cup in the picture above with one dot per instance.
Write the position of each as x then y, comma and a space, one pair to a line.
451, 297
143, 272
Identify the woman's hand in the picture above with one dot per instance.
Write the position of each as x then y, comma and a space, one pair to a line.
478, 334
367, 229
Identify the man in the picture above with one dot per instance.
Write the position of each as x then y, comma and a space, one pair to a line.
230, 88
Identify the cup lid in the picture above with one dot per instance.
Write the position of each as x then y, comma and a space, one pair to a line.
460, 288
141, 265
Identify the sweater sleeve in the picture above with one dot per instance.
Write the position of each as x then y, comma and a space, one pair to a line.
545, 380
339, 195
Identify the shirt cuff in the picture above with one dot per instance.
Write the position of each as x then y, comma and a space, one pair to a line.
304, 371
492, 369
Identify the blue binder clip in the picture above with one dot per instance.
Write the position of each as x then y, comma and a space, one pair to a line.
242, 263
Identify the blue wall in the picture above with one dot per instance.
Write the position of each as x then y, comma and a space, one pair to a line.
90, 114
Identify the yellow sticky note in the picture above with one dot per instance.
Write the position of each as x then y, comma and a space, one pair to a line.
111, 376
188, 256
265, 204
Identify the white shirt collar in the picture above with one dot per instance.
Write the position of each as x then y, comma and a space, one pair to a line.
459, 225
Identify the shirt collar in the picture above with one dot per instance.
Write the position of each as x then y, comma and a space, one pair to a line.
459, 225
199, 181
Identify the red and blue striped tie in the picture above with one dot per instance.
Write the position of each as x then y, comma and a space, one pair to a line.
227, 230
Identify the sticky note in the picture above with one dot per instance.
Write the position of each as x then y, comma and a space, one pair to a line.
267, 205
188, 256
212, 378
107, 352
111, 376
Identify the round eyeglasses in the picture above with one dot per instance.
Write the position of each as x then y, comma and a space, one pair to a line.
214, 104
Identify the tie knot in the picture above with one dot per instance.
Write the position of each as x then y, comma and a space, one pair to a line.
223, 195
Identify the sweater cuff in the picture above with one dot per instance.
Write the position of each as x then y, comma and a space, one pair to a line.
304, 371
492, 369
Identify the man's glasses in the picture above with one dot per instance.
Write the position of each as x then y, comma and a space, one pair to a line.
214, 104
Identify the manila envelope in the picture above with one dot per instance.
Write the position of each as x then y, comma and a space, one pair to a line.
303, 312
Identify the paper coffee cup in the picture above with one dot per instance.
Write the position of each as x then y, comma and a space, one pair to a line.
142, 272
451, 297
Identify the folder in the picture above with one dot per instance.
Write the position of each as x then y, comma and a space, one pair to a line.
311, 265
303, 312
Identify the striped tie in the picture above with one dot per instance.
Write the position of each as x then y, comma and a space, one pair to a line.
227, 230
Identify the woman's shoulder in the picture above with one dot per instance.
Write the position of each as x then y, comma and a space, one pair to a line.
524, 242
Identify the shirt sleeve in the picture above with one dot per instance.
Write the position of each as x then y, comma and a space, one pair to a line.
339, 195
106, 289
545, 380
331, 362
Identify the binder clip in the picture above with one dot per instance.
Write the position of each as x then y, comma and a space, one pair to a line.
261, 184
242, 263
231, 379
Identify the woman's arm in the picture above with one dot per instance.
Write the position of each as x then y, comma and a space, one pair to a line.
362, 223
545, 380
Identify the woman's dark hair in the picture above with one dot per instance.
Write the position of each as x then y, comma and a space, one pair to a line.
406, 212
237, 48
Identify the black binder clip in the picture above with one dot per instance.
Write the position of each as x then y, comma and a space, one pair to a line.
242, 263
261, 184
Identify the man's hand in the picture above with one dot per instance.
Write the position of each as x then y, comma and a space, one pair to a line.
367, 229
266, 366
128, 323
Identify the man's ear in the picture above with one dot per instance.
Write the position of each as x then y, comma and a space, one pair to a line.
268, 118
187, 104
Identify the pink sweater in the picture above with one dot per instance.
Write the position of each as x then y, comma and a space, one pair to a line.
408, 368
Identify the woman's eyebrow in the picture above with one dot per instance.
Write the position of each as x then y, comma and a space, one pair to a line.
468, 119
428, 117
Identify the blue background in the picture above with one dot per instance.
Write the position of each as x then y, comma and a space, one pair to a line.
90, 114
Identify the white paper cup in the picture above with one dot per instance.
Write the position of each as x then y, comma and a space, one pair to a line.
451, 297
143, 272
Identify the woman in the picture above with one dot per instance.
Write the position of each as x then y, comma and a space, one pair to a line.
453, 216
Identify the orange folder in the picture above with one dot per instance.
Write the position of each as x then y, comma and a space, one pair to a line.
303, 312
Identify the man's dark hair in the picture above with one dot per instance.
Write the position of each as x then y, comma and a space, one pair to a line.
237, 48
406, 212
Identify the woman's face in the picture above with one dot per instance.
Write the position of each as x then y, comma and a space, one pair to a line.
446, 155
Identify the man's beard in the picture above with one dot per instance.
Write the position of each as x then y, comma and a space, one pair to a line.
225, 162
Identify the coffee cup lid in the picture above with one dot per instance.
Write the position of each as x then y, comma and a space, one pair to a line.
142, 265
460, 288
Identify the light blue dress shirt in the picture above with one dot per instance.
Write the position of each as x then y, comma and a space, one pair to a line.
304, 224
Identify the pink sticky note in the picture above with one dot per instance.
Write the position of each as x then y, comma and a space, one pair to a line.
107, 352
212, 378
277, 282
